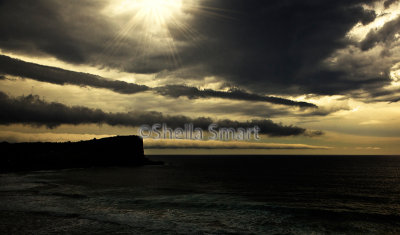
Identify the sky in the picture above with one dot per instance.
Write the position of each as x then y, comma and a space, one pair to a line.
315, 77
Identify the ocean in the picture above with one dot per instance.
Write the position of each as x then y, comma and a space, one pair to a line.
209, 195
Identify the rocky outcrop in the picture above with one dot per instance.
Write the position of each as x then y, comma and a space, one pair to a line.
113, 151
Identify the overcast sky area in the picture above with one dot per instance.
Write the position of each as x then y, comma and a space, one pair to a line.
317, 77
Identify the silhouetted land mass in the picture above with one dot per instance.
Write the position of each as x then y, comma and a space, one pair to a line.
112, 151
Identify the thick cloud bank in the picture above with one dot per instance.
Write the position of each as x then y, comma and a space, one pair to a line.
34, 111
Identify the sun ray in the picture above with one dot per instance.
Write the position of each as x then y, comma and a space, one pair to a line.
150, 23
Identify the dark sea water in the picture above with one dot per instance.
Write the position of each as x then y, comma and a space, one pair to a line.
209, 195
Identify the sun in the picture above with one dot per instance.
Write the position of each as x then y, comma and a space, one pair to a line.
160, 8
152, 12
146, 23
150, 27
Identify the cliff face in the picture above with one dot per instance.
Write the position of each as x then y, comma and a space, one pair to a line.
113, 151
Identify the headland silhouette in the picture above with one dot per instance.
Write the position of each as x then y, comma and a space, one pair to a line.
105, 152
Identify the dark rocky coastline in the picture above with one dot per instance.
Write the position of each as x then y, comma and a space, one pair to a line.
106, 152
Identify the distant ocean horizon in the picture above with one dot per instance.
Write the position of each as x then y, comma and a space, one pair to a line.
219, 194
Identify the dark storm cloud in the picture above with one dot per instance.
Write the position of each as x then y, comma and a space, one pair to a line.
34, 111
233, 93
78, 32
68, 30
60, 76
386, 34
388, 3
267, 47
278, 46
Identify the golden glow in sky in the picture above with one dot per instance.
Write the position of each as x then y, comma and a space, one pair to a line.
152, 18
153, 12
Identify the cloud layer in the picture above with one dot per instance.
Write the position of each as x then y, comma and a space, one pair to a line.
59, 76
34, 111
